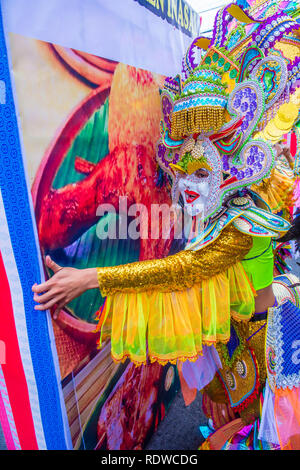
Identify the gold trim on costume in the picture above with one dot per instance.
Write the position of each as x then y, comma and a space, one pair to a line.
197, 120
179, 271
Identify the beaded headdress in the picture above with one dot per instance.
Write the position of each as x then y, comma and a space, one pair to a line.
231, 101
200, 106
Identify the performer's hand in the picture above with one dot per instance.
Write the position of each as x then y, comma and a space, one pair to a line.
285, 151
65, 285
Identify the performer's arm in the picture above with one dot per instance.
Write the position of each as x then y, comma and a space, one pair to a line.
173, 273
179, 271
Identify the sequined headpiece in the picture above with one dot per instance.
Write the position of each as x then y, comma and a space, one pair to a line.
200, 107
231, 97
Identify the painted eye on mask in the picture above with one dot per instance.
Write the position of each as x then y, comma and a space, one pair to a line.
201, 173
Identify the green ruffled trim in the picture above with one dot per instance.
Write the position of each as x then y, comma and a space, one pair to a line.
194, 78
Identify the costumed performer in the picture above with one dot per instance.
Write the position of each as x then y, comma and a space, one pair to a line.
213, 307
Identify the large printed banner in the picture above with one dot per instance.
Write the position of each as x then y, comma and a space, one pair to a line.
80, 113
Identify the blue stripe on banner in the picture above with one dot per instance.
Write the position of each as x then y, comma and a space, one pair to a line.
2, 440
16, 201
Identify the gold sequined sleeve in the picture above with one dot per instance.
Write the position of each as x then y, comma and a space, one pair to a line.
179, 271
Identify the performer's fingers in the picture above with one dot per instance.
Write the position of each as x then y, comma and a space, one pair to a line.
57, 310
47, 305
39, 288
52, 265
45, 297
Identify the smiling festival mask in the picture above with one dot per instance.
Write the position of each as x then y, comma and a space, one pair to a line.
194, 176
195, 191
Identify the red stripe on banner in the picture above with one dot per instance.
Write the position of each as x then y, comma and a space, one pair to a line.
13, 369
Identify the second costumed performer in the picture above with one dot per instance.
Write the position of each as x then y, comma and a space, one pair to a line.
211, 307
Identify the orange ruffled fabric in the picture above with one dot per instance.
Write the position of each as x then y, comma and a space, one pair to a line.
287, 416
167, 326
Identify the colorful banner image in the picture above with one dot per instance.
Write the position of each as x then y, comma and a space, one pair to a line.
89, 126
176, 12
91, 144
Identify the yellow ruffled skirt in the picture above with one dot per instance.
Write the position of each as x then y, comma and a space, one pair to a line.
170, 326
